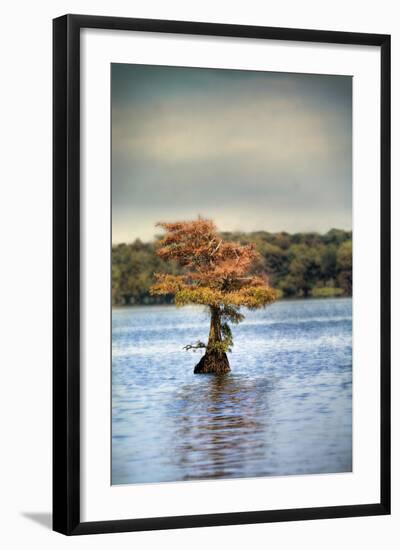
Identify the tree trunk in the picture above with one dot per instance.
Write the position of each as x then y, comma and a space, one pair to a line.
213, 362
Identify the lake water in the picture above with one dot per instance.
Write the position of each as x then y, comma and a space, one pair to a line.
286, 407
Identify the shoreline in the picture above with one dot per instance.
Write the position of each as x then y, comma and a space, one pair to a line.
286, 299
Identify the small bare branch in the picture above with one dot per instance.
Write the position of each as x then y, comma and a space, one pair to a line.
198, 345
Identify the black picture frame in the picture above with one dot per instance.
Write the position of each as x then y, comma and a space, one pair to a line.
66, 273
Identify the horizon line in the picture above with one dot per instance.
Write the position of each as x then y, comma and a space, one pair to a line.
258, 231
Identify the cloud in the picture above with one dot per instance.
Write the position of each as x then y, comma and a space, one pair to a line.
254, 151
264, 131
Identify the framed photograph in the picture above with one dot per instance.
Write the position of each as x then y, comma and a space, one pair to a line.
221, 274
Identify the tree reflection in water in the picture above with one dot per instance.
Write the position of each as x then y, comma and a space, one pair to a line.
221, 426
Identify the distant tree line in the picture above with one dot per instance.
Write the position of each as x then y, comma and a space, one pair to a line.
297, 265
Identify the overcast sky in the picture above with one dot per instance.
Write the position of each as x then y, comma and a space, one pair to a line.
251, 150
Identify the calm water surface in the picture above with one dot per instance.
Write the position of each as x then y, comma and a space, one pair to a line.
286, 407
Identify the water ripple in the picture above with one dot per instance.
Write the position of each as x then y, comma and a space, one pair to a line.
286, 407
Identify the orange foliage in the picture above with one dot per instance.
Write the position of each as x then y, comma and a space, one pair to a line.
216, 271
